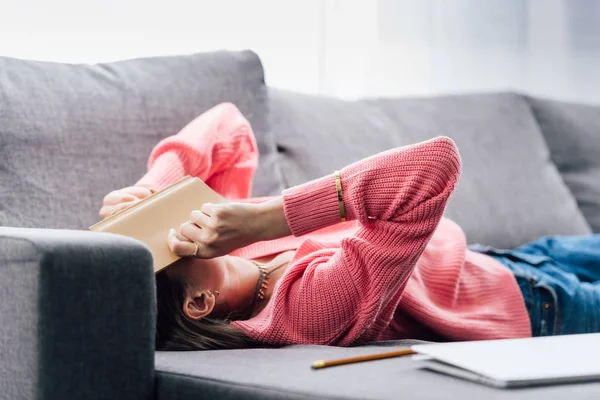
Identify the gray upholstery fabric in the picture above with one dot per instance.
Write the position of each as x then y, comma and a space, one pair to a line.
71, 133
77, 316
510, 192
573, 135
286, 374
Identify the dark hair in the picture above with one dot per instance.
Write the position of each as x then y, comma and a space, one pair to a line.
175, 331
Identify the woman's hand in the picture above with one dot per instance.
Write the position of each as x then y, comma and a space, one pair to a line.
218, 229
121, 199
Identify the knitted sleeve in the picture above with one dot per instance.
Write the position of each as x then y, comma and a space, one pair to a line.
218, 147
398, 197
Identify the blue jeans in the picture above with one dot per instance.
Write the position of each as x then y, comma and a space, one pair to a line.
559, 277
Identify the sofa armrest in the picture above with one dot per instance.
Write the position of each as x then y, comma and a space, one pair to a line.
77, 316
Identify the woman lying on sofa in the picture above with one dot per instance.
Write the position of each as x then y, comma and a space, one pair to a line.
360, 255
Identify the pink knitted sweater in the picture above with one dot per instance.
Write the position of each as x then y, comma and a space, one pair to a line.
397, 269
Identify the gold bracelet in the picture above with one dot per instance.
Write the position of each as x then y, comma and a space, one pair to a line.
338, 186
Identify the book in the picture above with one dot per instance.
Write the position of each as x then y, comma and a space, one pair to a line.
517, 363
150, 220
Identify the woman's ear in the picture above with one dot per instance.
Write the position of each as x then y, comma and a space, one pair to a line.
198, 304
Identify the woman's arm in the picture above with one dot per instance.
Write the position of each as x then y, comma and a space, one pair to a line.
396, 186
218, 147
398, 197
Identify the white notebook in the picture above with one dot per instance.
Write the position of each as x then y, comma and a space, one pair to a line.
517, 362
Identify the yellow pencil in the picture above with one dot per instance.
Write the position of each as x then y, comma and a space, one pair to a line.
343, 361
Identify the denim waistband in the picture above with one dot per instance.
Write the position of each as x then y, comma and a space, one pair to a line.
539, 296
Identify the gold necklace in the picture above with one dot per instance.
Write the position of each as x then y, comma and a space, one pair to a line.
262, 284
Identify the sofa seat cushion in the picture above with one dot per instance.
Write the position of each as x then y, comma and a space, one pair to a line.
510, 191
286, 374
573, 135
69, 134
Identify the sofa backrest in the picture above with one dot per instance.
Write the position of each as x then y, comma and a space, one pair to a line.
510, 191
572, 132
69, 134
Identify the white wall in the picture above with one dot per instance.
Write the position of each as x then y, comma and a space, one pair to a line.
287, 35
345, 48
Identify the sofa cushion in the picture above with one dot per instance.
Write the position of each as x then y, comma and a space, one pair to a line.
510, 192
286, 374
573, 135
71, 133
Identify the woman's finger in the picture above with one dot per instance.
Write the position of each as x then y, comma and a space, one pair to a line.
210, 209
107, 210
200, 219
191, 231
117, 197
179, 246
122, 206
181, 237
140, 192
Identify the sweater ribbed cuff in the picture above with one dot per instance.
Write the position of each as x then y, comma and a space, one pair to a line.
164, 171
311, 206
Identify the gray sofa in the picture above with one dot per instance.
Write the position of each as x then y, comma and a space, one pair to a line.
77, 308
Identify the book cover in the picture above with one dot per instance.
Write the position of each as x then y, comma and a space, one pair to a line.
150, 219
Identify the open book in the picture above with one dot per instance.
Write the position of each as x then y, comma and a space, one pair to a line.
149, 220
